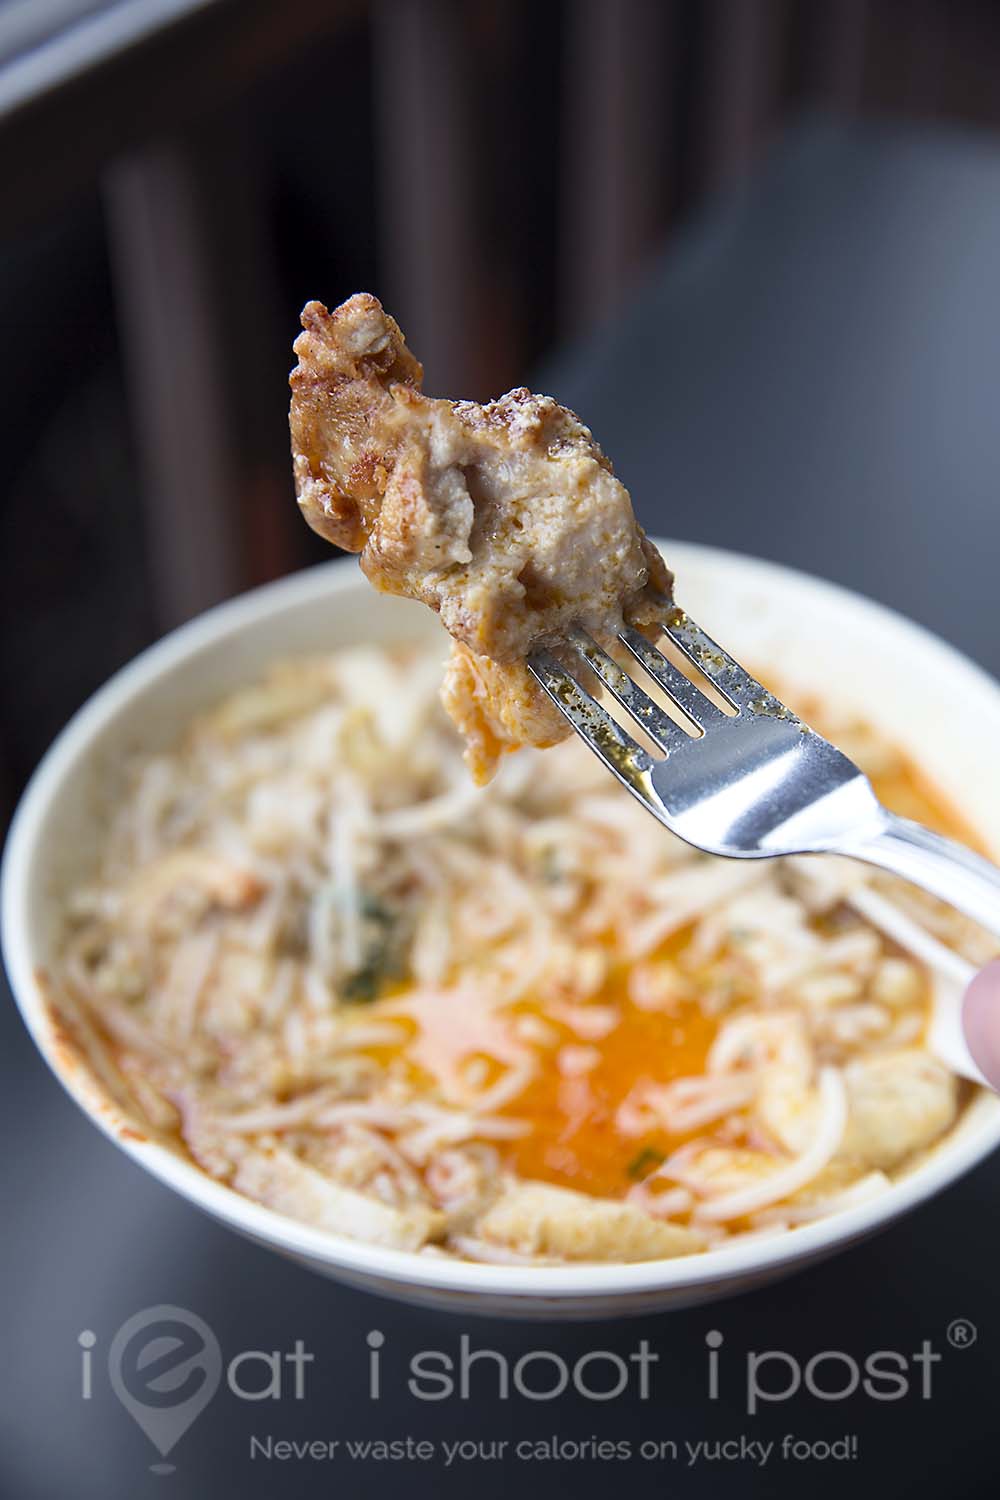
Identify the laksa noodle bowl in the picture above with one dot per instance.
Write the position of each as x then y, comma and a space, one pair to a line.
518, 1047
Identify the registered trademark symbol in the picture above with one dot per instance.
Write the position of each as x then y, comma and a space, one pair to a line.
961, 1333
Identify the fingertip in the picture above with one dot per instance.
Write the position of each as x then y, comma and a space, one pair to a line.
981, 1021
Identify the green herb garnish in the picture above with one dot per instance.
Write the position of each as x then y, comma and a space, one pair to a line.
646, 1161
381, 954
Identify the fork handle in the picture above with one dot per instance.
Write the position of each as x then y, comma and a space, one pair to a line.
943, 867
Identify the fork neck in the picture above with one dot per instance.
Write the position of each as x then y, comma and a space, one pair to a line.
940, 865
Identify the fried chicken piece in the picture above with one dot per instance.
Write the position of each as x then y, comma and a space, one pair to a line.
505, 518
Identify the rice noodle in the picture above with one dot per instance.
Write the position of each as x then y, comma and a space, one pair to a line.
505, 1090
685, 1104
753, 1040
798, 1173
665, 1204
861, 1191
431, 816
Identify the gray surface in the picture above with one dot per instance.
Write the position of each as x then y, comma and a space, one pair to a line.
815, 372
813, 375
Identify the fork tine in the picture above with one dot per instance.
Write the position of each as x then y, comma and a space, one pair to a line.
686, 694
660, 727
617, 749
733, 681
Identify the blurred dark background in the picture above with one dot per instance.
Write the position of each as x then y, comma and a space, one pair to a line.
756, 243
179, 176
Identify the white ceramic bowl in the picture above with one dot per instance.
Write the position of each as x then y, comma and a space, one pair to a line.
812, 636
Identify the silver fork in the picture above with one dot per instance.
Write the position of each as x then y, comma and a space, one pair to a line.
755, 783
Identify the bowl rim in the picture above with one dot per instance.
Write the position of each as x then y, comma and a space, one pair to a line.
709, 1269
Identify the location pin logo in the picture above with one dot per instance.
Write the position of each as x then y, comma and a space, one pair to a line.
165, 1365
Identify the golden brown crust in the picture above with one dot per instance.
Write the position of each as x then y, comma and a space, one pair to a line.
505, 518
496, 707
348, 361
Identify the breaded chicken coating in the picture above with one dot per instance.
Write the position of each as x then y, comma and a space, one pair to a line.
505, 518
